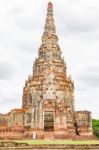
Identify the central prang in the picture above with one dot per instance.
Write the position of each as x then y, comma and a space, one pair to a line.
48, 96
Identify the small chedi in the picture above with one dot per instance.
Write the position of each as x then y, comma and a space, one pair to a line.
48, 109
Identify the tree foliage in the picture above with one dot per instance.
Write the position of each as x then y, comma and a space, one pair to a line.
95, 126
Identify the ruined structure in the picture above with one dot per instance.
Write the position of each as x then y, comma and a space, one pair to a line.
48, 96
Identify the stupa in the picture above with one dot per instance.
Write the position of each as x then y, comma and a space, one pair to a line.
48, 108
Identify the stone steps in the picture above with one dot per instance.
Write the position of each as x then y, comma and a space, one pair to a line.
52, 147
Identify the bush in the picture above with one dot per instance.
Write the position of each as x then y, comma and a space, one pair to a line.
95, 126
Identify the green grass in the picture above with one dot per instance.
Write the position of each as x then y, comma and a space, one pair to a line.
30, 142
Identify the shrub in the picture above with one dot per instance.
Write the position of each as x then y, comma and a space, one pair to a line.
95, 126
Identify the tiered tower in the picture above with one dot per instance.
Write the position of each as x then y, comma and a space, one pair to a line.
49, 91
48, 97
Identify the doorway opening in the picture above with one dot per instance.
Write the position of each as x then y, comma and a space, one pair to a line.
48, 121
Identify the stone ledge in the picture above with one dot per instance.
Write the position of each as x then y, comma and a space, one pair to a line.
18, 146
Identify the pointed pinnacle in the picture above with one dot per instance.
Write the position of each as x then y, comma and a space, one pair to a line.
50, 5
50, 8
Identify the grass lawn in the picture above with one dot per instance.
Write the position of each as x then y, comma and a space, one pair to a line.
56, 142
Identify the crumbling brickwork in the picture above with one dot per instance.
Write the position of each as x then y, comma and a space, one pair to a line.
48, 94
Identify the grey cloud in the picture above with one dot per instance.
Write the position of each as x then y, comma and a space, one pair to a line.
78, 18
90, 80
80, 26
15, 11
25, 23
79, 88
6, 70
25, 46
25, 17
90, 76
8, 100
9, 103
28, 23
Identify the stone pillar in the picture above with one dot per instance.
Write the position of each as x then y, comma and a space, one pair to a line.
40, 117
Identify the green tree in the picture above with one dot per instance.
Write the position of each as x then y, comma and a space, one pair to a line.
95, 126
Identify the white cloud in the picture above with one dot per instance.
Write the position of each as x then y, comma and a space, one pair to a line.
21, 26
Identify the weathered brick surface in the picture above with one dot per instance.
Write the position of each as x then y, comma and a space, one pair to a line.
48, 97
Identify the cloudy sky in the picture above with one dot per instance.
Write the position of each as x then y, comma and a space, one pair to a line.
21, 27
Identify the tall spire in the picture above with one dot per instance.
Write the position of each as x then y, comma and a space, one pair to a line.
49, 26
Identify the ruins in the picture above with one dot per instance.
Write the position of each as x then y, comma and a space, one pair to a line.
48, 109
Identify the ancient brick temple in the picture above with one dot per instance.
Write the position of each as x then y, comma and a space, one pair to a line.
48, 97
